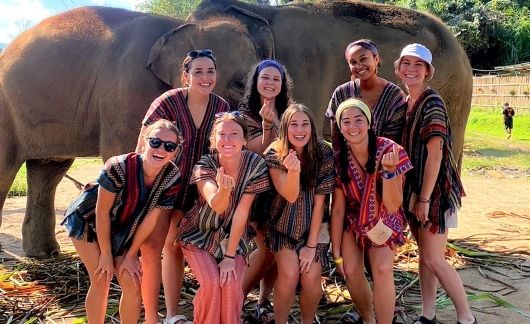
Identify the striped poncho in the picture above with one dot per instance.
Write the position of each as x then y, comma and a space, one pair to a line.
201, 225
388, 114
428, 118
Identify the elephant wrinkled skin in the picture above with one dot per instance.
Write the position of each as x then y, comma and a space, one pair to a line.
79, 84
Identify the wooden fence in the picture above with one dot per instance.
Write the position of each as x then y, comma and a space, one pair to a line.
494, 91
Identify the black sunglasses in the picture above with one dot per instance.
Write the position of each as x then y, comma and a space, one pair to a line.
236, 113
169, 146
200, 53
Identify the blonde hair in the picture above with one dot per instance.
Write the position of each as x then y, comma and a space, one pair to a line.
163, 124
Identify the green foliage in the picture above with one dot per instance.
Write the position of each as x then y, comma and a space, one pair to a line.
172, 8
176, 8
493, 32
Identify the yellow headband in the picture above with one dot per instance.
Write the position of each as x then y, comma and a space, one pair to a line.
353, 103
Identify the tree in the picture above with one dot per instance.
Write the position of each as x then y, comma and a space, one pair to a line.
177, 8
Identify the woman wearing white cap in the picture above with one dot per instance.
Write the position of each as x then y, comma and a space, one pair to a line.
433, 189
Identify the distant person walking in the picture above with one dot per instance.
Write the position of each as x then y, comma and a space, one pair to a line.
508, 113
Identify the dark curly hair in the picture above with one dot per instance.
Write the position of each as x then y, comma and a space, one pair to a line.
251, 102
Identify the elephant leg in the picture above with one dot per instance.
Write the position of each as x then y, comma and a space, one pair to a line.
38, 229
9, 172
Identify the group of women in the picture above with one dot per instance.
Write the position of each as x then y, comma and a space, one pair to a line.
205, 181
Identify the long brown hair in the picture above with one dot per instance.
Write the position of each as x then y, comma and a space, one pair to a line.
311, 156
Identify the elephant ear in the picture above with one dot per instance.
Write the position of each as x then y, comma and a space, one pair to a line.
163, 60
259, 29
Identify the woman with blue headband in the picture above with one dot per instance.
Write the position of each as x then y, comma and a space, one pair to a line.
267, 96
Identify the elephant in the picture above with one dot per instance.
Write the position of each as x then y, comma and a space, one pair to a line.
79, 83
310, 39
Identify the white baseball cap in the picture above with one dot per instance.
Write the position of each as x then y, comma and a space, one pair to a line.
417, 50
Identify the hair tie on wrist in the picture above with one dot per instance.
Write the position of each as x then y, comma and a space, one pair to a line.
425, 201
311, 247
230, 256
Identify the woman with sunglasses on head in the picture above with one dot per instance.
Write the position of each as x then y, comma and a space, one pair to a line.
110, 221
213, 234
267, 95
385, 99
367, 216
193, 108
301, 168
433, 190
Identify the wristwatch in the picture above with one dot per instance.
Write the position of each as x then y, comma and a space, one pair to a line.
388, 175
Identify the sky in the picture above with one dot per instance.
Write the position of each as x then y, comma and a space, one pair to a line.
15, 15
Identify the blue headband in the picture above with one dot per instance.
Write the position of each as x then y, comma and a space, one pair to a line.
268, 63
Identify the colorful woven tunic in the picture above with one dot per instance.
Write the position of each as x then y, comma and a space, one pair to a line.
201, 225
428, 118
290, 222
364, 203
122, 175
172, 105
388, 114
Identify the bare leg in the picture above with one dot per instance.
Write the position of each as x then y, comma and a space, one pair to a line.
172, 267
382, 260
432, 258
355, 278
38, 229
151, 252
285, 287
267, 283
311, 292
130, 301
260, 261
97, 295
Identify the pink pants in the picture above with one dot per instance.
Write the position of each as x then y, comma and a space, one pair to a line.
214, 304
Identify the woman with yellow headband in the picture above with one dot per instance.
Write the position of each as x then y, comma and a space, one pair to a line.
366, 211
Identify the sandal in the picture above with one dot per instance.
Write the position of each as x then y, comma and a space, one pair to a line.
176, 319
424, 320
351, 317
263, 312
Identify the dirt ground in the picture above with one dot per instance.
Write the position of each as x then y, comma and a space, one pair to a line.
495, 217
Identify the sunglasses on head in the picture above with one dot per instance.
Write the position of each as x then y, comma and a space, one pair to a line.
200, 53
169, 146
235, 113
